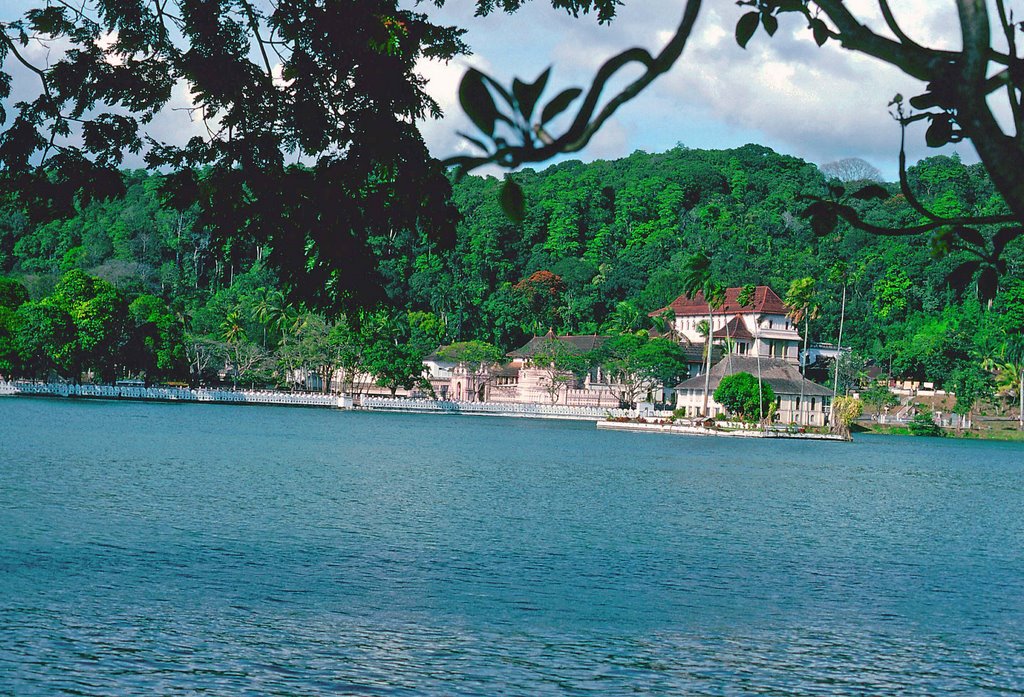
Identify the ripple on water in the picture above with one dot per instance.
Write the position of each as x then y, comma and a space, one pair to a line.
278, 552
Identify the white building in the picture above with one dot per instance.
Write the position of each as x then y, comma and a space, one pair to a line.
797, 400
759, 327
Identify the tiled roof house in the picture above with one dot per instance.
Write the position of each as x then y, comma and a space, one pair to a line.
758, 327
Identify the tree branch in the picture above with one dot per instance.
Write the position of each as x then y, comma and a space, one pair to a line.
894, 27
254, 26
585, 124
917, 61
1009, 31
6, 40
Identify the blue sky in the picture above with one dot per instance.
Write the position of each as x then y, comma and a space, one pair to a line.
820, 104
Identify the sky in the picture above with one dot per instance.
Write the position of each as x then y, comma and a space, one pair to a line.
819, 104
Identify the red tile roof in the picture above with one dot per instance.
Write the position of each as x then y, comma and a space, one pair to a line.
765, 302
735, 329
573, 343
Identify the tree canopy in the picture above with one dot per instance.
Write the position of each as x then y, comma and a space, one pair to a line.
308, 108
958, 101
742, 396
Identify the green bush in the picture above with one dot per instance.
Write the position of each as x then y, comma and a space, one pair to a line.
739, 394
923, 425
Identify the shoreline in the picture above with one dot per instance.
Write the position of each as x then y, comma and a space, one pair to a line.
175, 395
601, 416
342, 402
1007, 435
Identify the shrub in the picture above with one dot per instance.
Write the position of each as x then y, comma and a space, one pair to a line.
924, 425
739, 394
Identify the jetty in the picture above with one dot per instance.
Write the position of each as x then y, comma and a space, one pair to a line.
723, 430
516, 410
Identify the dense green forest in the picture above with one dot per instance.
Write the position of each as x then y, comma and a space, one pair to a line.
130, 285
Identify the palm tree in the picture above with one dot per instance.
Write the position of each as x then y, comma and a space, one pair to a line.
746, 297
802, 304
231, 328
800, 301
625, 318
266, 307
1014, 353
839, 272
697, 278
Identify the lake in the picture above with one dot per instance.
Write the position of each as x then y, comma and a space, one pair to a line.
182, 549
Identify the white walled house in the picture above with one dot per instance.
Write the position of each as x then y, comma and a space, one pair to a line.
746, 333
760, 327
798, 400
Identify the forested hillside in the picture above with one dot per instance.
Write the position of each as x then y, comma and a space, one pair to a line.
601, 246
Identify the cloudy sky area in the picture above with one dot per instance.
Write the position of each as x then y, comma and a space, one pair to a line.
820, 104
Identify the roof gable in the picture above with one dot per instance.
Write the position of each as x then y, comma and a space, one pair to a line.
765, 301
783, 376
734, 329
573, 343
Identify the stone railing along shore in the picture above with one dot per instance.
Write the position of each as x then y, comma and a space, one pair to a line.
177, 394
394, 404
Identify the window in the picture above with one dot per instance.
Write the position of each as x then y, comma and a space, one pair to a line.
798, 404
813, 400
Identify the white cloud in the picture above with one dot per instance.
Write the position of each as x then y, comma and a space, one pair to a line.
441, 135
818, 103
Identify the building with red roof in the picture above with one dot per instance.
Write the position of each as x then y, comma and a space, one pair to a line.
759, 327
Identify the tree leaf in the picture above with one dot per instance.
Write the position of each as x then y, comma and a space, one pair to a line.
512, 201
463, 163
823, 218
527, 95
497, 87
971, 236
940, 132
1004, 237
477, 102
924, 101
820, 31
47, 21
475, 141
871, 191
559, 104
746, 27
960, 276
770, 23
988, 284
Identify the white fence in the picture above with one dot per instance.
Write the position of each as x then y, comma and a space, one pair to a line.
536, 411
181, 394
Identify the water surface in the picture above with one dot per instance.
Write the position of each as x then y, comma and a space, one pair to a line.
183, 549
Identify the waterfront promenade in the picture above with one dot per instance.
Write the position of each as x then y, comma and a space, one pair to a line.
308, 399
176, 394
